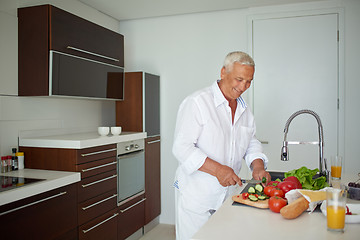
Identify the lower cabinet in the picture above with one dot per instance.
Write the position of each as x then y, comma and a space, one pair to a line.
50, 215
103, 227
131, 217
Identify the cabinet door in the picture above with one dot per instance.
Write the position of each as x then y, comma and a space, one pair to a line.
152, 179
77, 36
50, 215
131, 217
103, 227
129, 113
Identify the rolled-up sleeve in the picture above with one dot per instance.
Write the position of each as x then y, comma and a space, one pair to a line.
188, 129
255, 151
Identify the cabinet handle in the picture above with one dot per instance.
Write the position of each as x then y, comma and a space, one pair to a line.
87, 230
98, 181
33, 203
91, 53
155, 141
100, 166
122, 211
93, 153
101, 201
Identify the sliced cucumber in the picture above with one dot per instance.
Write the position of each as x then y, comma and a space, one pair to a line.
253, 198
259, 188
251, 190
261, 197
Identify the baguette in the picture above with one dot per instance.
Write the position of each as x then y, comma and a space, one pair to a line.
294, 209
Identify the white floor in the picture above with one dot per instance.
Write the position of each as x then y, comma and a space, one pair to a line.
160, 232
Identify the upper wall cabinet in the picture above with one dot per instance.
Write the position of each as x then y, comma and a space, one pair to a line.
61, 54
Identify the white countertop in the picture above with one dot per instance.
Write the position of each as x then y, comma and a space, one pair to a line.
53, 180
245, 222
78, 140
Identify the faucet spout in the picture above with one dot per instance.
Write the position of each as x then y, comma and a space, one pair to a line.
320, 143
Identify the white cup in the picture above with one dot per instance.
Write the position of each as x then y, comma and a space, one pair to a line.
115, 131
103, 131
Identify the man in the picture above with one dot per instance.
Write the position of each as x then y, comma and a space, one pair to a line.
214, 131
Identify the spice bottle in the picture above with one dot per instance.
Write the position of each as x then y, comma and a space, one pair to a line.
3, 164
14, 163
9, 164
20, 158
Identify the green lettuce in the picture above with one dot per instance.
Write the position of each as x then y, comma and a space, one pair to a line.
305, 176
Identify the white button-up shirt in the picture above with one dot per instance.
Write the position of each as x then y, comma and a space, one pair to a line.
204, 128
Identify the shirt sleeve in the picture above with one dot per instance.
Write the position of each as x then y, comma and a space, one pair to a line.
255, 151
187, 131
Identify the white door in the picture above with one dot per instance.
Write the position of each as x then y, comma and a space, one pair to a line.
296, 68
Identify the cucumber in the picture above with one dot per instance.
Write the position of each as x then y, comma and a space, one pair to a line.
253, 198
261, 197
259, 188
251, 190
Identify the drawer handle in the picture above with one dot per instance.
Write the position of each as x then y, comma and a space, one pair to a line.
87, 230
91, 53
122, 211
94, 204
155, 141
98, 181
100, 166
94, 153
33, 203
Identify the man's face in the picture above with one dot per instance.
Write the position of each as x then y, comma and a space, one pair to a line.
237, 81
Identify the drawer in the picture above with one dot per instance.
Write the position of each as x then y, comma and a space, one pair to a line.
96, 153
96, 185
96, 206
96, 167
131, 216
103, 227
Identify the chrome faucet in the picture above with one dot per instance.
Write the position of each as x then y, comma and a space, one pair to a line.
284, 149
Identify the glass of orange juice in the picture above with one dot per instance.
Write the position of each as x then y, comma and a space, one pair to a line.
336, 167
335, 209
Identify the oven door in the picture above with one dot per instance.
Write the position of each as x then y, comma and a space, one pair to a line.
131, 175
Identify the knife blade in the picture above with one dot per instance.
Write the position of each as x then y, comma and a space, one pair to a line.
250, 181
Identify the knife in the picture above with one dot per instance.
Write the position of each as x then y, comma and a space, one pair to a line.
250, 181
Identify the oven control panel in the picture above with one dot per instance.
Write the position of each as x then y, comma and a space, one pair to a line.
130, 146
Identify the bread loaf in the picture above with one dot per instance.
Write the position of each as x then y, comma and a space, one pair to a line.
294, 209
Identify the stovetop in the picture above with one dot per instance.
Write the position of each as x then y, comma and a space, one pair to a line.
10, 182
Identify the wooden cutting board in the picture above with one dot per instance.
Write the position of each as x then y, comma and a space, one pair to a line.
258, 204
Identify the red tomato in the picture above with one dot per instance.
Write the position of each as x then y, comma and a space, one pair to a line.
273, 183
286, 186
268, 189
276, 203
295, 180
245, 195
277, 192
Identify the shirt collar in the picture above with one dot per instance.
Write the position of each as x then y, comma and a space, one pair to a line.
220, 99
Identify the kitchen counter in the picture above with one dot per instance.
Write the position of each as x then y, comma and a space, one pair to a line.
53, 180
245, 222
77, 140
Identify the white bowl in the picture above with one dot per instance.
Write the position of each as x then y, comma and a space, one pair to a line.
103, 131
115, 131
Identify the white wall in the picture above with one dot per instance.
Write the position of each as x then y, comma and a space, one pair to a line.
187, 52
29, 113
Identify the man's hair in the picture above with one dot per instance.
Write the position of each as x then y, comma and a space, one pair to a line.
239, 57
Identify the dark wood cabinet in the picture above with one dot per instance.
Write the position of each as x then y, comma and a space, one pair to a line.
131, 217
44, 28
50, 215
140, 111
96, 192
152, 179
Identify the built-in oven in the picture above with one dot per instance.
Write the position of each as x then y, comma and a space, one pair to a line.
131, 170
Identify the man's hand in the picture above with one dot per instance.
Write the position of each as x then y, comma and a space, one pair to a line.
225, 175
259, 171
